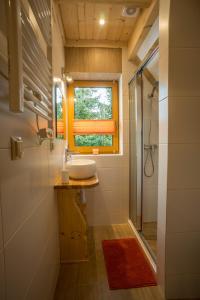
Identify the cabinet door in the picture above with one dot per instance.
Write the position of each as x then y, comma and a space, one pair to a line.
73, 227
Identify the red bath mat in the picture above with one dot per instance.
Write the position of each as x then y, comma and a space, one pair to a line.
126, 264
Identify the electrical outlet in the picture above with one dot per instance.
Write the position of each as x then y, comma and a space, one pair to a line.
16, 147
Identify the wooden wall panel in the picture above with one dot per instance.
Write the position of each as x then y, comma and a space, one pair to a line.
81, 19
96, 60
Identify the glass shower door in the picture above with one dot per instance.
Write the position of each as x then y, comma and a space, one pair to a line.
150, 153
135, 111
143, 91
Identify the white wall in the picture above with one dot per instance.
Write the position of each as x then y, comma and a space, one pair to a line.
29, 247
179, 160
149, 40
109, 202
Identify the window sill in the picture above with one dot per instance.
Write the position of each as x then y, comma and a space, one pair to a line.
99, 155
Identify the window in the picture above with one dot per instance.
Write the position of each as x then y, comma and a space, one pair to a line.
59, 112
93, 116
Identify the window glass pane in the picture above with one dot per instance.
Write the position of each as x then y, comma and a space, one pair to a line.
93, 140
59, 109
93, 103
59, 113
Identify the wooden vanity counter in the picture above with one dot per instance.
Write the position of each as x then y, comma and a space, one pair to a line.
77, 183
73, 226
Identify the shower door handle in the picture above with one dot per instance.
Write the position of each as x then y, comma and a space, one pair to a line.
150, 147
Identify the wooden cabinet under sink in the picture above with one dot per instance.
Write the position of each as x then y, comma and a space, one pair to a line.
72, 220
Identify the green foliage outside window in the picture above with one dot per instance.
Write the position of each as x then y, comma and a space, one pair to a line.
93, 140
93, 104
59, 109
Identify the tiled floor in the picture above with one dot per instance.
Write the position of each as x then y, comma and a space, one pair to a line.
88, 280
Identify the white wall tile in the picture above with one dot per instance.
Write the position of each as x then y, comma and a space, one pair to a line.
183, 253
126, 132
184, 34
175, 286
1, 229
55, 161
23, 184
184, 72
24, 249
23, 125
2, 277
162, 203
163, 121
183, 210
184, 115
161, 255
109, 177
15, 192
178, 226
103, 205
43, 283
184, 166
98, 208
126, 107
107, 160
191, 285
162, 165
184, 286
103, 201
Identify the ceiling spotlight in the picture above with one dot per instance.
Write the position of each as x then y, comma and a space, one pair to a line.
102, 21
69, 78
57, 79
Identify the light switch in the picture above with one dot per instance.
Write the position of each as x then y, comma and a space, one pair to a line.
16, 147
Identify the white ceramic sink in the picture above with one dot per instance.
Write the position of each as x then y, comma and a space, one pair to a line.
81, 168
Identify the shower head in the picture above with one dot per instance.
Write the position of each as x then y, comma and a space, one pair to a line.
155, 87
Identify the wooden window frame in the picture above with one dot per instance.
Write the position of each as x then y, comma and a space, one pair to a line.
64, 107
114, 149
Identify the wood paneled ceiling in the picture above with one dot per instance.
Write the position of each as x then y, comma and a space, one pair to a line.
81, 19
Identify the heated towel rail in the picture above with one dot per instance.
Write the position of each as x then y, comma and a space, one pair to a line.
30, 48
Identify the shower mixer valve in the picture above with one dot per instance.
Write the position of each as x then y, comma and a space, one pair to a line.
151, 147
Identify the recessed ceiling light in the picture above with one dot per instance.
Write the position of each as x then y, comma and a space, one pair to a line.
69, 78
56, 79
102, 21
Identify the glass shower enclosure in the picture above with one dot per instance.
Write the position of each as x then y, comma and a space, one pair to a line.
143, 109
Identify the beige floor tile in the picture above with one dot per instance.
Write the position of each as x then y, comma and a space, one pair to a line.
88, 280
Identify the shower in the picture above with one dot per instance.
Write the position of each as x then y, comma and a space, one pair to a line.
155, 87
150, 148
143, 90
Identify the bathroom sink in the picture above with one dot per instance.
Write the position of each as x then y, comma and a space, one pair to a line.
81, 168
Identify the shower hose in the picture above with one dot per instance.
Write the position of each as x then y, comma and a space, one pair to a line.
149, 148
149, 156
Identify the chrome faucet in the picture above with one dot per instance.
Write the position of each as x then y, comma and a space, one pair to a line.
68, 154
